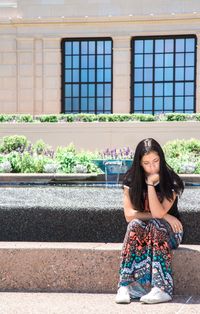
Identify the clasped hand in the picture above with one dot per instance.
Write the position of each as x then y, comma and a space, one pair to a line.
153, 178
174, 223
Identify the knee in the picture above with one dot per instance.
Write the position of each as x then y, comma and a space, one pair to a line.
135, 223
154, 221
156, 224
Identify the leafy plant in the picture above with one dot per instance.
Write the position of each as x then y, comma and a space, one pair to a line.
48, 118
176, 148
13, 143
183, 155
6, 118
87, 117
67, 161
24, 118
176, 117
40, 147
85, 159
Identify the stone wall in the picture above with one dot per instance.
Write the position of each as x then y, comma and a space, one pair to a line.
31, 34
102, 135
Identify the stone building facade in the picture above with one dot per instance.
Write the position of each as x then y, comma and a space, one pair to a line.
31, 32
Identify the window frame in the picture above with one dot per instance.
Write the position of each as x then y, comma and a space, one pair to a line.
174, 81
63, 83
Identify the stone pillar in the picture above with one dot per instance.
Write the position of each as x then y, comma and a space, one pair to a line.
38, 79
52, 75
25, 75
121, 74
8, 79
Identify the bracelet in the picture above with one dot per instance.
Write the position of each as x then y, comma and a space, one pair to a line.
150, 184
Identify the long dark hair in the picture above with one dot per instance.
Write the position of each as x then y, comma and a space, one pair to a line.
135, 176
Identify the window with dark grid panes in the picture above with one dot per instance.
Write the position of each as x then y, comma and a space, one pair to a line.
163, 74
87, 75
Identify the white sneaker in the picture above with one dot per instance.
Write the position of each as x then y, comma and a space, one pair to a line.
123, 295
156, 295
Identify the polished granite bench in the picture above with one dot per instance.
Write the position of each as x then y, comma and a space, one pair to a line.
78, 214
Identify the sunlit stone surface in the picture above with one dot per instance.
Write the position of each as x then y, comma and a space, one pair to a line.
78, 214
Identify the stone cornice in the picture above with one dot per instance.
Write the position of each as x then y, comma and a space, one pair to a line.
102, 19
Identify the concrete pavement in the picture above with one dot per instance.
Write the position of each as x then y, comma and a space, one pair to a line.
83, 303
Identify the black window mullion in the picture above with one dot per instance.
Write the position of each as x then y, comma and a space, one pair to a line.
95, 81
163, 81
132, 76
178, 97
153, 79
174, 68
184, 81
195, 74
79, 99
72, 94
74, 98
143, 78
88, 69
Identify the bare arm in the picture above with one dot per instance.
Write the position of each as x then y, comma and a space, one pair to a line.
158, 210
129, 212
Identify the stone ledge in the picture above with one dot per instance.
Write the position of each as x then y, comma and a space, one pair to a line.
82, 267
68, 177
58, 224
74, 214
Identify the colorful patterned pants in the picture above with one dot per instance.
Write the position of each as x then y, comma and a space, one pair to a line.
146, 255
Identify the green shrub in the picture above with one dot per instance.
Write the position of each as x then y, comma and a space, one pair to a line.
67, 149
13, 143
24, 118
174, 149
66, 117
147, 117
176, 117
87, 117
113, 118
67, 161
197, 116
70, 117
185, 163
6, 118
85, 159
197, 170
48, 118
118, 117
15, 160
102, 118
183, 155
40, 147
27, 163
70, 160
40, 162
